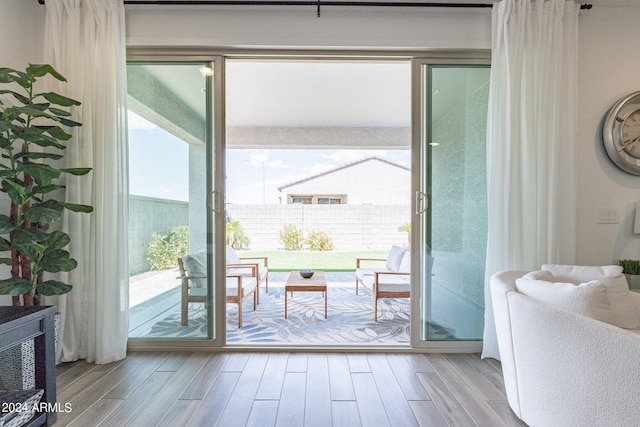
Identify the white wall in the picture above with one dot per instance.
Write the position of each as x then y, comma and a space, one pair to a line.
299, 27
609, 69
21, 43
21, 33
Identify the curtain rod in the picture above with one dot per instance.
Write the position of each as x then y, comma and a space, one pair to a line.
317, 3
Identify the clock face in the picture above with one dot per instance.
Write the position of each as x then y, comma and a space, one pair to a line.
621, 133
631, 134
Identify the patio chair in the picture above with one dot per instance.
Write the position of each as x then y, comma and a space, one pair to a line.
391, 281
194, 285
238, 266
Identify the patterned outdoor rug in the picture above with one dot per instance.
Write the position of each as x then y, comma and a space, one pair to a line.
350, 320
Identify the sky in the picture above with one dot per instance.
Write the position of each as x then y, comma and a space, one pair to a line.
159, 166
278, 93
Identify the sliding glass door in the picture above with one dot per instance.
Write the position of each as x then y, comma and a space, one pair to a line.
176, 206
450, 215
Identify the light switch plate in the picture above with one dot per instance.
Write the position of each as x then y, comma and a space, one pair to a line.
608, 216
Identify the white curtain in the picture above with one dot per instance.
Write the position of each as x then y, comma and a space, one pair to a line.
531, 139
85, 42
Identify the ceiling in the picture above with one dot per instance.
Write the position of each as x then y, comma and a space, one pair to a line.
316, 93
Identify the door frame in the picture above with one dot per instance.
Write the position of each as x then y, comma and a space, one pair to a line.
215, 182
420, 118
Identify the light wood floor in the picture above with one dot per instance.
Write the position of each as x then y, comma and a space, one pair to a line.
285, 389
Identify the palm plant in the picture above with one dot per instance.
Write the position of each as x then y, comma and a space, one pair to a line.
407, 229
31, 127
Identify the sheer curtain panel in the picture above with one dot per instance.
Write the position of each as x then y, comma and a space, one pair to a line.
531, 133
85, 42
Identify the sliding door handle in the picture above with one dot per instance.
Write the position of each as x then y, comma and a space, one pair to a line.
213, 201
422, 202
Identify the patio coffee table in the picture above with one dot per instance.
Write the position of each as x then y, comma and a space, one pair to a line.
297, 283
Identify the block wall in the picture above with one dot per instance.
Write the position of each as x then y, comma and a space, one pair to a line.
148, 215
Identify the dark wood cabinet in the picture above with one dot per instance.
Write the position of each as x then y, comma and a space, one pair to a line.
18, 324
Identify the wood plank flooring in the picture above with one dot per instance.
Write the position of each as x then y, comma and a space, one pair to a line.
285, 389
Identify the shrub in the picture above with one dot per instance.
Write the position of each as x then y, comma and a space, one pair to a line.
630, 266
236, 238
164, 249
291, 238
319, 241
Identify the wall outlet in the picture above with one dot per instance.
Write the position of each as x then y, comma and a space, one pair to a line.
608, 216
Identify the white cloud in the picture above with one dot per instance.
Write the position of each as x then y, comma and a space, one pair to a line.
260, 157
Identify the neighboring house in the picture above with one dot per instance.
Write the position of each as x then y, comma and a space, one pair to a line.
368, 181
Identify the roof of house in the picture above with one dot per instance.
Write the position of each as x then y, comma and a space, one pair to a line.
348, 165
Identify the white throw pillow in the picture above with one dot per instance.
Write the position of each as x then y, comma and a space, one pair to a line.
232, 256
589, 299
540, 275
196, 265
612, 278
405, 264
394, 258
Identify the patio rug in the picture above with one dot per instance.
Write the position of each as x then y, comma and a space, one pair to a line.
350, 320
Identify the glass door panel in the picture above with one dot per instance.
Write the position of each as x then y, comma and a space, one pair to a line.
170, 139
451, 206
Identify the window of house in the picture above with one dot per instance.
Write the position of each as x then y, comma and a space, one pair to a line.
302, 200
329, 201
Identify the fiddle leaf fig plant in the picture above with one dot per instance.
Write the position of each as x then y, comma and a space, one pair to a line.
33, 132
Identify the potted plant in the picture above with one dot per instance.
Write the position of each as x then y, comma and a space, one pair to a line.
631, 270
32, 136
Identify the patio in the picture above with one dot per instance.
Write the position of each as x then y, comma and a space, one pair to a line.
155, 306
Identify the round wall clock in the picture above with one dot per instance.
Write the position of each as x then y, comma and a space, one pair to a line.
621, 133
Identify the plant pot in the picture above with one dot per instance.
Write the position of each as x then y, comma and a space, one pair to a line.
633, 280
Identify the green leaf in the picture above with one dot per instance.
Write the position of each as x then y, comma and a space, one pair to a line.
78, 208
33, 111
47, 141
57, 240
57, 132
57, 260
76, 171
53, 287
68, 122
41, 70
47, 212
58, 112
33, 156
26, 242
4, 245
5, 224
6, 261
23, 99
16, 190
8, 75
14, 286
42, 173
58, 99
5, 126
44, 189
29, 236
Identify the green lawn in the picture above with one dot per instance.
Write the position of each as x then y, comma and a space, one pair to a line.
316, 260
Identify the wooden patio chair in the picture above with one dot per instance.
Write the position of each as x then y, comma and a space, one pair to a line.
193, 288
239, 265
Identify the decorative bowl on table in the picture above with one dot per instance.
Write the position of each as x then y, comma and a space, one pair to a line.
306, 273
